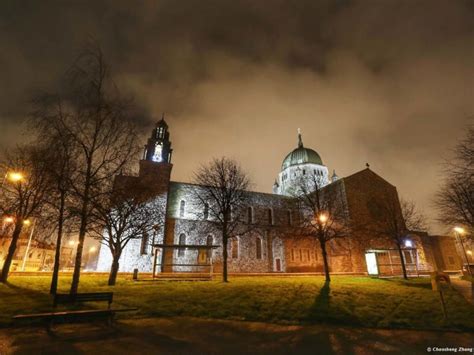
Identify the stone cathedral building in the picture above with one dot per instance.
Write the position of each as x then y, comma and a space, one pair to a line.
271, 247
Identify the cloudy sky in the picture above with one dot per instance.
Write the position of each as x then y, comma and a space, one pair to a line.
385, 82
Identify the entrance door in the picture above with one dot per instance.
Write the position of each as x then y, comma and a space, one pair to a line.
371, 260
277, 265
202, 257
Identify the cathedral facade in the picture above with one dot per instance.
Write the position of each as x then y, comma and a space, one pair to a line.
270, 246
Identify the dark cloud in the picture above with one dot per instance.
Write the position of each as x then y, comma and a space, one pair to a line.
388, 82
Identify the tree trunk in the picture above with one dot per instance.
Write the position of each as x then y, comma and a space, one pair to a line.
80, 246
402, 261
114, 270
57, 255
83, 229
325, 260
224, 254
11, 250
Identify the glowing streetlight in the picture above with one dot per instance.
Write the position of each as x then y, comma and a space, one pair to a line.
323, 218
72, 242
26, 222
92, 249
8, 219
15, 176
459, 231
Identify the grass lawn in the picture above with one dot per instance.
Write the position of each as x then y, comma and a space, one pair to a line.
358, 301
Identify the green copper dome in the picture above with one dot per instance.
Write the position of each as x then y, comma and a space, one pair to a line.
301, 155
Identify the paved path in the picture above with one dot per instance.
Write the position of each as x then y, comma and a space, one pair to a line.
465, 288
199, 336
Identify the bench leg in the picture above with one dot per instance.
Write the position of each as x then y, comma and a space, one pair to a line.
111, 320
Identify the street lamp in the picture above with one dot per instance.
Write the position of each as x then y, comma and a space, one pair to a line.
27, 223
459, 231
8, 219
323, 218
14, 176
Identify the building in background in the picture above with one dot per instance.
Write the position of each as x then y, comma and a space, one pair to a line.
270, 246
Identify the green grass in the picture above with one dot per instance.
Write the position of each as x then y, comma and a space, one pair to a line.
357, 301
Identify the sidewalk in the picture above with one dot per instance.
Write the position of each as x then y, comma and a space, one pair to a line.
184, 335
465, 288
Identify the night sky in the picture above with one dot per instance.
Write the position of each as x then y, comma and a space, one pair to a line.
384, 82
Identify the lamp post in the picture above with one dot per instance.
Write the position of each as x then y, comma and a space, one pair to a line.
459, 231
27, 222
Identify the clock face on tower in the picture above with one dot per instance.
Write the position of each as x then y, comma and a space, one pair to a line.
158, 155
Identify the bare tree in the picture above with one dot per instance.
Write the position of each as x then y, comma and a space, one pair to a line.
61, 156
455, 198
60, 200
396, 219
119, 218
324, 213
222, 192
23, 193
97, 123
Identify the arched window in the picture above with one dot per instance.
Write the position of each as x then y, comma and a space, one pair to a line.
182, 241
160, 132
206, 211
209, 241
182, 208
259, 248
250, 214
234, 247
270, 216
290, 217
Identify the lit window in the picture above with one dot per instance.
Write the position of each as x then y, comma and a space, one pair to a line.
182, 241
160, 132
182, 207
158, 156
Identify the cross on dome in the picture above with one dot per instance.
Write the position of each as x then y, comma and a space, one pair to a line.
300, 140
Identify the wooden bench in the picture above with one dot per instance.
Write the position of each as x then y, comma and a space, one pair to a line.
49, 318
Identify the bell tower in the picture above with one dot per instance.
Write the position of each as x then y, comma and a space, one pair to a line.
158, 149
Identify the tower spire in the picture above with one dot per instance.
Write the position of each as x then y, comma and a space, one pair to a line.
300, 140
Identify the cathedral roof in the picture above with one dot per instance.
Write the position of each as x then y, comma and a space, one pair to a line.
301, 155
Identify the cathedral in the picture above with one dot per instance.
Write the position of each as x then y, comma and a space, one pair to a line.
271, 247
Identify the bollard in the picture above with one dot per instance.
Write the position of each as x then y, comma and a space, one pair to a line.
436, 278
135, 274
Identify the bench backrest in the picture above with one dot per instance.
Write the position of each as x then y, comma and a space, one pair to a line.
67, 298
